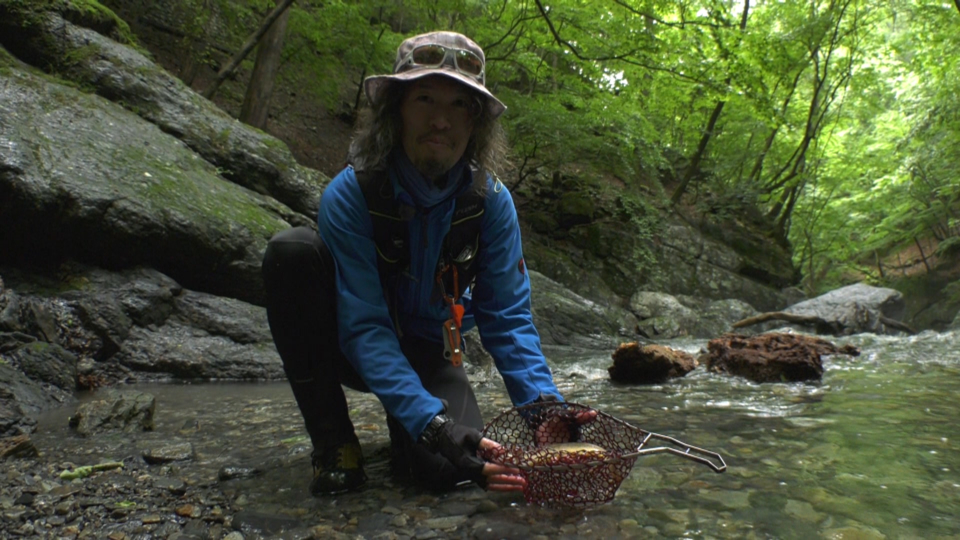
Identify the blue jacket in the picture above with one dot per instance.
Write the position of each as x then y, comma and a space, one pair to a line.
499, 306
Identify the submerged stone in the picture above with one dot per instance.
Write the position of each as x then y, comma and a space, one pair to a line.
125, 411
167, 454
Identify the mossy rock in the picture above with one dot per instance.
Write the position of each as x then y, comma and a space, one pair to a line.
592, 238
86, 13
575, 208
930, 302
949, 249
555, 264
542, 222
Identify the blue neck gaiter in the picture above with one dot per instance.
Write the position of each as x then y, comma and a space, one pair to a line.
425, 193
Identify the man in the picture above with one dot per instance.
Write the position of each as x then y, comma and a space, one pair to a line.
378, 300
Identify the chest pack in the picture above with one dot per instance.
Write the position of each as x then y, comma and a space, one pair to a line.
455, 269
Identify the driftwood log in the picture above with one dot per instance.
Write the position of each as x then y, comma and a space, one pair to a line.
774, 357
649, 364
821, 325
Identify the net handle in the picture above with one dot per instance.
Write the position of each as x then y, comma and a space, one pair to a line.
686, 451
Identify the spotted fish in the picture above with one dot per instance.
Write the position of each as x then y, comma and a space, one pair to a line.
571, 452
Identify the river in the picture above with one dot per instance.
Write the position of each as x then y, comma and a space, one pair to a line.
872, 451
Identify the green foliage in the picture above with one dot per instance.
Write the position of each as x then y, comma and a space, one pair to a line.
645, 223
839, 120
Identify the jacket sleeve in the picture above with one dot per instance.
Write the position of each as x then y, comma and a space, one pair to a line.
367, 337
501, 300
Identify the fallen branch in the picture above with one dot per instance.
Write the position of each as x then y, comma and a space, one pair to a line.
780, 316
817, 322
898, 325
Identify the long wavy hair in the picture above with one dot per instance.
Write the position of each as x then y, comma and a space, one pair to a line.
379, 132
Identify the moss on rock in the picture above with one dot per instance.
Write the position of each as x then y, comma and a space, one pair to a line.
575, 208
87, 13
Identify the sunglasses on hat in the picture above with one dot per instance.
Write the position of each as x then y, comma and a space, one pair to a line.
433, 56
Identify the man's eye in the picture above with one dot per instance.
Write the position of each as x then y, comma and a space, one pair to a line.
423, 98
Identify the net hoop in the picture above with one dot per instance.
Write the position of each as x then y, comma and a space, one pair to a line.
583, 475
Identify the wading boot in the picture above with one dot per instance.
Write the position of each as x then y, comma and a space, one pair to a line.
337, 469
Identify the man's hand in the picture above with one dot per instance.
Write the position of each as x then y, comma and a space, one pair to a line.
459, 444
563, 427
500, 477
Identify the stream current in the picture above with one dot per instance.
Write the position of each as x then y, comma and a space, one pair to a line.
872, 451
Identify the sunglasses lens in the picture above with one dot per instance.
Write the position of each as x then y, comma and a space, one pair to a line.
469, 63
429, 55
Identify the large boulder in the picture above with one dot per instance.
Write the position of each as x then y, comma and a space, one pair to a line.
137, 324
21, 400
701, 266
854, 309
83, 178
85, 328
664, 316
565, 318
661, 315
43, 37
716, 317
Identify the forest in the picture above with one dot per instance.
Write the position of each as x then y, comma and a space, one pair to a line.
837, 119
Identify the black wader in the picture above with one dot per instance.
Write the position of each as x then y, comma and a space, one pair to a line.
300, 279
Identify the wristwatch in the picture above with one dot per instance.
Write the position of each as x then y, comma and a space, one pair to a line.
431, 434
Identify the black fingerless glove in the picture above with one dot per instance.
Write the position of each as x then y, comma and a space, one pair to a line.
457, 443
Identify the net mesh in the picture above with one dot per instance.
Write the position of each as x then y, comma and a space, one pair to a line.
584, 472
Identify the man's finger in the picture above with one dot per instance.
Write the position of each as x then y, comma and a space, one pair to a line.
492, 469
488, 444
584, 417
505, 482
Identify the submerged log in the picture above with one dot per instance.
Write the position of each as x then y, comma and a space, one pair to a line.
771, 357
649, 364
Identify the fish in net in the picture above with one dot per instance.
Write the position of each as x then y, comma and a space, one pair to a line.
572, 455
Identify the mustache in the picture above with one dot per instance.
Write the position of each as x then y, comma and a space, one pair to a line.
435, 136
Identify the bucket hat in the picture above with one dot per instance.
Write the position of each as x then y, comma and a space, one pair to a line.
448, 54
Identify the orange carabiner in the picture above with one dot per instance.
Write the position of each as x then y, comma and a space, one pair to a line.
451, 327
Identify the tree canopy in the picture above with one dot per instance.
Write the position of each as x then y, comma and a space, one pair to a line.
839, 119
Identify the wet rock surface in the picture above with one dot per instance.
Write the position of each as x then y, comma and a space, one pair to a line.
116, 411
844, 306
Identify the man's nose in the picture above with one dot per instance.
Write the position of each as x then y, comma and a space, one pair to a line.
440, 117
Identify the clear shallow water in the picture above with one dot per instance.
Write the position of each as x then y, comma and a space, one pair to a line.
873, 451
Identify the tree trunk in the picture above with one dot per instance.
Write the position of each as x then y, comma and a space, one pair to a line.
247, 47
701, 151
923, 256
711, 126
256, 102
